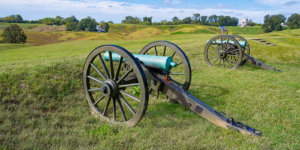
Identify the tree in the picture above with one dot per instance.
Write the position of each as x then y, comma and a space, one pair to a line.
294, 21
251, 23
147, 20
273, 22
187, 20
48, 21
267, 24
131, 20
105, 26
175, 20
14, 34
213, 19
276, 21
13, 19
87, 24
204, 20
71, 19
71, 26
196, 18
59, 20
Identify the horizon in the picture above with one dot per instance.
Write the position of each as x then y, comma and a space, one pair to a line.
116, 10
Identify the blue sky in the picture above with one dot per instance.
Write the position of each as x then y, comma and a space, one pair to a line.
116, 10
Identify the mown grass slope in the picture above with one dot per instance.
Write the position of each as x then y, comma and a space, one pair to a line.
43, 105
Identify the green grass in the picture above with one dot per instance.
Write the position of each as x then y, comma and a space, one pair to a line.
43, 105
8, 46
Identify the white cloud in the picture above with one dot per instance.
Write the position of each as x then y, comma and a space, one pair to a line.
278, 2
112, 10
171, 1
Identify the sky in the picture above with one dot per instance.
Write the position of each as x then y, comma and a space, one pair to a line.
116, 10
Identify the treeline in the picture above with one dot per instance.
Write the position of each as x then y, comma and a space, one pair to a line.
12, 19
276, 22
71, 23
195, 19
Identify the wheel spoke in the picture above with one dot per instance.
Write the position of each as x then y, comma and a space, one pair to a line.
179, 63
104, 66
223, 63
215, 61
127, 104
98, 100
212, 57
177, 73
131, 96
228, 52
119, 68
164, 53
229, 47
114, 109
176, 82
220, 62
99, 72
106, 107
125, 75
121, 108
111, 66
96, 89
95, 79
228, 63
128, 85
173, 54
212, 52
155, 50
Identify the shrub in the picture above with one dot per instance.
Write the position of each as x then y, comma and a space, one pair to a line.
14, 34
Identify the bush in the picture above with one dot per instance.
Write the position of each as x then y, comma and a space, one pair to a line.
14, 34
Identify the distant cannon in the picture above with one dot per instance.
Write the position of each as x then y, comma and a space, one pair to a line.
117, 84
230, 51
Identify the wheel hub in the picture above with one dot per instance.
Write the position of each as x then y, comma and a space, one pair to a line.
222, 54
109, 88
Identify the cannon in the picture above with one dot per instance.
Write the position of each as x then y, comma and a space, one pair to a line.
230, 51
117, 84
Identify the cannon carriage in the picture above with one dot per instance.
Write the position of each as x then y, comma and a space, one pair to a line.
117, 84
230, 51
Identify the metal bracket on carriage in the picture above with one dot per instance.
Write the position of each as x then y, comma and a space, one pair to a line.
238, 126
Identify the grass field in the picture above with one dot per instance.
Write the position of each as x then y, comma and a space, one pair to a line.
43, 105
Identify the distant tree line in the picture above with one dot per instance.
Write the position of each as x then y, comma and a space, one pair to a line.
274, 22
195, 19
71, 23
12, 19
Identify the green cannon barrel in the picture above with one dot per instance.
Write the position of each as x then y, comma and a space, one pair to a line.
242, 43
159, 62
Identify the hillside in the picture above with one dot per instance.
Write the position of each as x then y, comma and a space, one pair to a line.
43, 105
39, 34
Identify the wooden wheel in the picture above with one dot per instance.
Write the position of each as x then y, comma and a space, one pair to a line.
115, 90
246, 48
223, 50
181, 74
